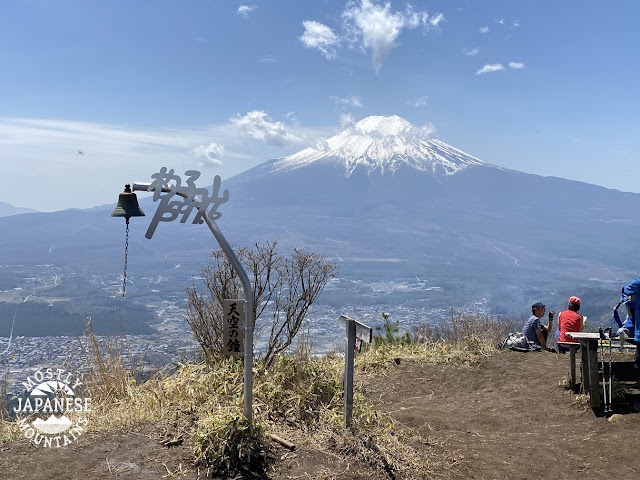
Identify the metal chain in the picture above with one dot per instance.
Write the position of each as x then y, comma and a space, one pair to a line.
126, 253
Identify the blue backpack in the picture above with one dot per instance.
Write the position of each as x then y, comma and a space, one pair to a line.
630, 296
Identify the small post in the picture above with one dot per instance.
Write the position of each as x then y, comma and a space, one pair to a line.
352, 328
348, 372
594, 380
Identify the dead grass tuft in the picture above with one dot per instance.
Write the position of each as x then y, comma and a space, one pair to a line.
111, 369
465, 331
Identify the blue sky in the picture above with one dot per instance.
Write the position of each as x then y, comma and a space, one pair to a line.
544, 87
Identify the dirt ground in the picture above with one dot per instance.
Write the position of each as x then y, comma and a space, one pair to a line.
507, 417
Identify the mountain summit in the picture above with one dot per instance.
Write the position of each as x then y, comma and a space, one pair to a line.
385, 144
381, 160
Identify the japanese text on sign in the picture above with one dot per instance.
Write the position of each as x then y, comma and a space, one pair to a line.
233, 339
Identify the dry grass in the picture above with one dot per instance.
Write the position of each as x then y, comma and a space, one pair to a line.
465, 331
299, 398
111, 371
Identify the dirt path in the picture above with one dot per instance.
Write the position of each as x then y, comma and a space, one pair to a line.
508, 418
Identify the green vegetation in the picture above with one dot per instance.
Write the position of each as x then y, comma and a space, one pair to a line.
389, 333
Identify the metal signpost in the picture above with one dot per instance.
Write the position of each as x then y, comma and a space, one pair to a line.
165, 186
353, 330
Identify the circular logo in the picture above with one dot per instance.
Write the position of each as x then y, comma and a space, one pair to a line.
50, 413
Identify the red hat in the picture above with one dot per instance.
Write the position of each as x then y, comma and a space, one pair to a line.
575, 300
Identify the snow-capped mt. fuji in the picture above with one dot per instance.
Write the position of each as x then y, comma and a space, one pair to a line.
379, 160
384, 143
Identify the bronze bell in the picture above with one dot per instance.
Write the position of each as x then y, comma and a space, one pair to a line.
127, 205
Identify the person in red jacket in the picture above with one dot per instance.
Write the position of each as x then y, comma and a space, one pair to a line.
569, 321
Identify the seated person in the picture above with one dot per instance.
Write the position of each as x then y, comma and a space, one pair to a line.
533, 329
569, 321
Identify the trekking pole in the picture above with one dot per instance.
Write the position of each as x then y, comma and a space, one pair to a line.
604, 377
610, 375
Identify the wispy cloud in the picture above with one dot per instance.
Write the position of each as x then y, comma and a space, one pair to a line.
257, 125
428, 129
471, 53
375, 27
115, 154
319, 36
484, 29
421, 102
370, 26
496, 67
516, 23
245, 10
112, 156
437, 20
348, 101
347, 120
516, 65
267, 59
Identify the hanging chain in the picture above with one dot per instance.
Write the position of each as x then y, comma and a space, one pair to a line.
126, 253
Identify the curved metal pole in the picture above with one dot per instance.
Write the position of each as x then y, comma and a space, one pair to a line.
248, 316
248, 298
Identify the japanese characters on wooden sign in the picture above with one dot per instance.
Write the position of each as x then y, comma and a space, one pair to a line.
233, 340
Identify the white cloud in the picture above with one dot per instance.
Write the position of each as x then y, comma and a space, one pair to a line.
435, 21
376, 28
516, 23
421, 102
245, 10
484, 29
471, 53
317, 35
257, 125
347, 120
348, 101
291, 116
209, 155
516, 65
428, 129
500, 21
267, 59
414, 19
496, 67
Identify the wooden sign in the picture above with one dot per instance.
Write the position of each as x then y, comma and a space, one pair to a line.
233, 338
364, 332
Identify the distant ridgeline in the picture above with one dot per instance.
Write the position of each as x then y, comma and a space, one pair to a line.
39, 319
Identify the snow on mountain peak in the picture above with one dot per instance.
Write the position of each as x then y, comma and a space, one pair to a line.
379, 125
383, 143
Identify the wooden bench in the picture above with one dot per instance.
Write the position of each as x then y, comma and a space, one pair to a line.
573, 348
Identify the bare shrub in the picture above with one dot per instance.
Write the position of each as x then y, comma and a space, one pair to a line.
284, 288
